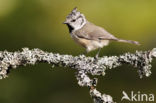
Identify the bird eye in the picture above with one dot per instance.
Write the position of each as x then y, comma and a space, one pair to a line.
73, 20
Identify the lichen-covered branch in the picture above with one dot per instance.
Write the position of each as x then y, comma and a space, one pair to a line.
82, 64
100, 98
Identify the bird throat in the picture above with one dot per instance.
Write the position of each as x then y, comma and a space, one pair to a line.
70, 28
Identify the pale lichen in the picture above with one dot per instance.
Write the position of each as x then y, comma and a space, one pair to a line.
100, 98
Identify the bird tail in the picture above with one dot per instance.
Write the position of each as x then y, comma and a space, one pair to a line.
128, 41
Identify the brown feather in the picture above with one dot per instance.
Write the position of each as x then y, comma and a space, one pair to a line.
92, 32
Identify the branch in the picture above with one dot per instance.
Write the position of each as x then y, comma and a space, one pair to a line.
82, 64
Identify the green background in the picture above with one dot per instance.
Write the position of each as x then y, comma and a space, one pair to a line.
38, 24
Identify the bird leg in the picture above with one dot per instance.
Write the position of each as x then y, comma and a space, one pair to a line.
97, 54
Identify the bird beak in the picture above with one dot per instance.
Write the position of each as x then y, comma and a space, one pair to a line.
65, 22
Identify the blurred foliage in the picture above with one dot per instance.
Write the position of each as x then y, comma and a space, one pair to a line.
38, 24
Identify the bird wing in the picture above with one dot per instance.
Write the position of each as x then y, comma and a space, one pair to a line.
93, 32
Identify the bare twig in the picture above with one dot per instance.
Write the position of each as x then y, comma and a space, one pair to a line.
82, 64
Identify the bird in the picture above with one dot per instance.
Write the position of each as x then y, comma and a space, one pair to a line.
89, 35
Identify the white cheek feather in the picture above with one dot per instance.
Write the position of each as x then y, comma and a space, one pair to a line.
80, 26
